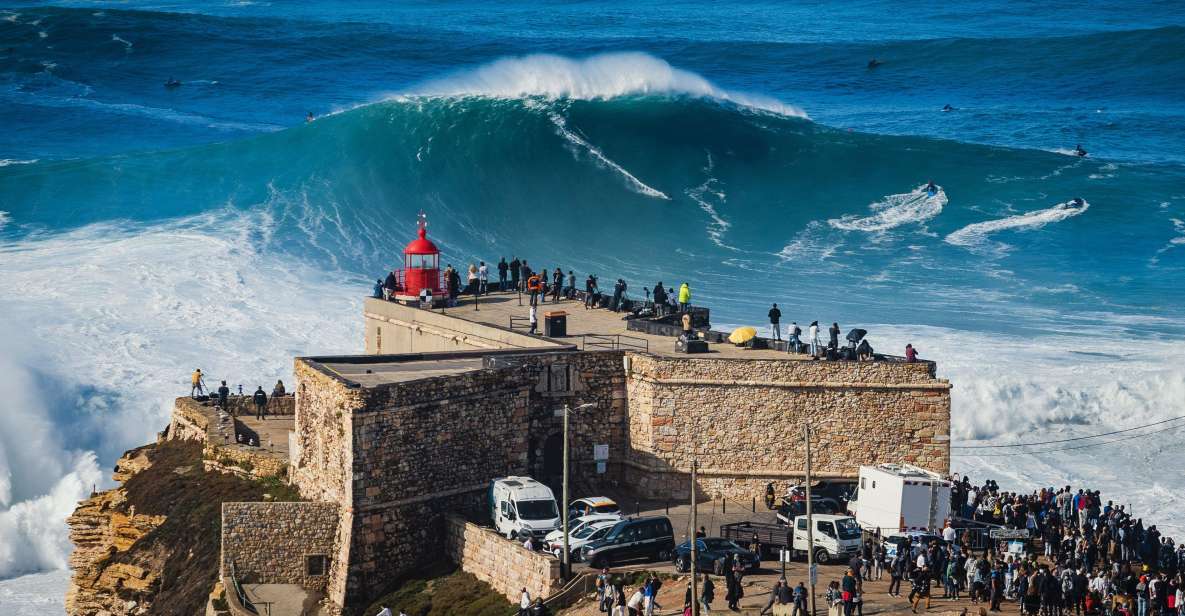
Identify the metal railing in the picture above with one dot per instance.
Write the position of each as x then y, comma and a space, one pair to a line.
613, 342
520, 323
239, 593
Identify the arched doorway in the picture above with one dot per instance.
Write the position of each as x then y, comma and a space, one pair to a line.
551, 472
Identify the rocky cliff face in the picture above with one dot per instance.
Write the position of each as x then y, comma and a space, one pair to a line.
102, 526
151, 545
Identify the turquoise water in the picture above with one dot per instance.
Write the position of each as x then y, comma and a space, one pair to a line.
748, 150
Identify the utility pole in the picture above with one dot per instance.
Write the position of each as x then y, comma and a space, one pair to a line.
564, 513
810, 523
694, 552
566, 565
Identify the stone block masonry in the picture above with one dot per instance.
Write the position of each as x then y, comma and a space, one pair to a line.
743, 420
273, 541
505, 565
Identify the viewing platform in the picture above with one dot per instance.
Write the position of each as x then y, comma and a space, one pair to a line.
506, 325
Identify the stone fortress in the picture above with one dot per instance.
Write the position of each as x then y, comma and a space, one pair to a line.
393, 450
390, 447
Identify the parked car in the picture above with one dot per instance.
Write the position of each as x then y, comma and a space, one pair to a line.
710, 555
582, 536
791, 507
635, 539
592, 505
576, 524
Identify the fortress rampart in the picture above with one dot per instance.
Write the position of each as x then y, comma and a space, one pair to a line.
394, 444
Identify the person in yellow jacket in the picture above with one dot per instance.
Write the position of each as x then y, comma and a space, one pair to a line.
197, 383
684, 297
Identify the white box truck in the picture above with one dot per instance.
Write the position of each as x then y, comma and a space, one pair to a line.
836, 537
899, 497
521, 506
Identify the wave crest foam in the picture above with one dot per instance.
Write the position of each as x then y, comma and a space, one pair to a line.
602, 76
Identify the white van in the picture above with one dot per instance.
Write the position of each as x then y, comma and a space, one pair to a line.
900, 498
837, 537
521, 506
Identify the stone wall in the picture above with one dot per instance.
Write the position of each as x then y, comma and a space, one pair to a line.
396, 328
190, 421
269, 542
321, 462
743, 420
505, 565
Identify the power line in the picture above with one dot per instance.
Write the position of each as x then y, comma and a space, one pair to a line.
1067, 440
1029, 453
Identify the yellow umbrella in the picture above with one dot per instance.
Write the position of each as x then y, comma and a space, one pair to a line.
741, 335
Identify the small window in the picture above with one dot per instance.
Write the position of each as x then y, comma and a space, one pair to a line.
316, 564
802, 524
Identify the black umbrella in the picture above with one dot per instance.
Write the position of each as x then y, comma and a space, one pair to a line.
856, 335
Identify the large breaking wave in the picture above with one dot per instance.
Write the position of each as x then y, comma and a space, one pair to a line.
121, 274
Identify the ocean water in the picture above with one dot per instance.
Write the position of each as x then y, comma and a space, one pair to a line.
748, 150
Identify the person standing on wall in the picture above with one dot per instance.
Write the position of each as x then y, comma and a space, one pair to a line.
524, 272
590, 286
557, 284
503, 267
471, 280
775, 317
378, 290
813, 336
260, 399
793, 337
223, 394
390, 285
515, 266
684, 297
197, 384
483, 278
833, 337
570, 292
660, 299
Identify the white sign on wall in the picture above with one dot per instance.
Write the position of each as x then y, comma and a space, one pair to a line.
601, 452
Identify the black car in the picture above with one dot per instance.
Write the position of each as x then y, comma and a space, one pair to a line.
639, 538
789, 509
711, 553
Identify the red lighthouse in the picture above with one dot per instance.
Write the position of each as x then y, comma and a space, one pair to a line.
421, 265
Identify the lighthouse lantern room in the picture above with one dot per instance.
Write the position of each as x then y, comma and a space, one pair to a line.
421, 266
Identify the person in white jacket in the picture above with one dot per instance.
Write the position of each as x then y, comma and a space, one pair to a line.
813, 333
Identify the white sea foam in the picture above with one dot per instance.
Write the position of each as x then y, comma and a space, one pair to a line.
100, 327
703, 195
602, 76
5, 218
915, 206
1016, 389
581, 143
41, 594
122, 41
976, 234
1174, 242
4, 162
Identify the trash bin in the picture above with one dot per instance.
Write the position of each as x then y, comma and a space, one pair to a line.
555, 324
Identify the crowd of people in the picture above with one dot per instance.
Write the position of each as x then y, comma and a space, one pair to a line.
1094, 559
517, 275
810, 341
221, 395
